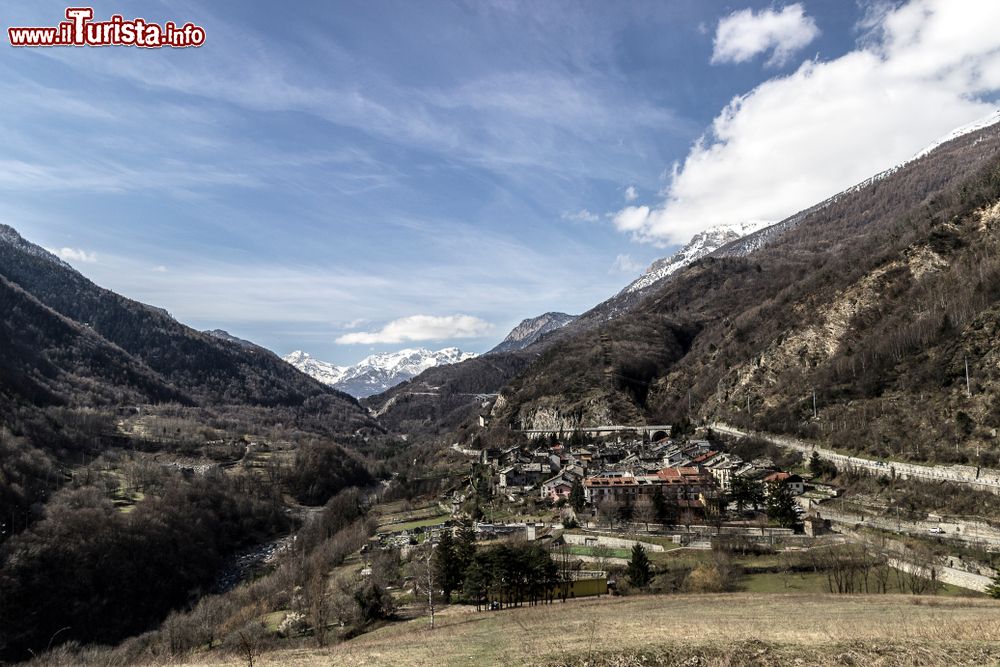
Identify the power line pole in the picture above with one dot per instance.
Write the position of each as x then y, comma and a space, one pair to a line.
815, 413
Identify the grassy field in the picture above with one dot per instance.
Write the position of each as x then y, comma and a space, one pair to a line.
410, 525
599, 551
727, 629
401, 510
815, 582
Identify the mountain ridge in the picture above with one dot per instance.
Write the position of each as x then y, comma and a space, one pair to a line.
531, 329
376, 373
836, 299
181, 363
701, 244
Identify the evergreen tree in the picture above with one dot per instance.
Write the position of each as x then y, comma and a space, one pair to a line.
446, 566
576, 496
781, 505
477, 580
815, 464
820, 468
465, 549
639, 573
745, 493
511, 575
993, 590
661, 507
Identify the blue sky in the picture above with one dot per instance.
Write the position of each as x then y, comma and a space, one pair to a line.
349, 177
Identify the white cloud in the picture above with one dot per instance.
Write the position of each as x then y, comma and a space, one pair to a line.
160, 268
631, 193
625, 264
745, 34
795, 140
631, 218
354, 324
421, 327
74, 255
583, 215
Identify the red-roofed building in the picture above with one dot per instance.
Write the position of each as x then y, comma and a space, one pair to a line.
791, 480
689, 487
690, 483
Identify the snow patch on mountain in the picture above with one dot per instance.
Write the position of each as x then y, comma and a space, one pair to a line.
701, 244
976, 125
323, 371
378, 372
10, 236
755, 240
969, 128
531, 329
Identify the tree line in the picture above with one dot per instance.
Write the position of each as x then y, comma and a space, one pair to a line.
505, 575
94, 574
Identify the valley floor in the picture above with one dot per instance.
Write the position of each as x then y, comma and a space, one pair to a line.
725, 629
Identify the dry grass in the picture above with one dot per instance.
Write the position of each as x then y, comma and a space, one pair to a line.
728, 629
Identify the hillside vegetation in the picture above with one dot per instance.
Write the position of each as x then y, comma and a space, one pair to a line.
443, 398
746, 629
204, 367
875, 300
139, 457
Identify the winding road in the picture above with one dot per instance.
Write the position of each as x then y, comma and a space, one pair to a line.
985, 479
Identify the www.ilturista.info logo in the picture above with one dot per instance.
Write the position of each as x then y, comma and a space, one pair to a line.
80, 30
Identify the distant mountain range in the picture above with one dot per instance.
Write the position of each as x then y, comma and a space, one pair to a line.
378, 372
440, 397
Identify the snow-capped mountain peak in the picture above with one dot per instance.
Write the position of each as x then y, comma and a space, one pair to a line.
701, 244
531, 329
323, 371
377, 372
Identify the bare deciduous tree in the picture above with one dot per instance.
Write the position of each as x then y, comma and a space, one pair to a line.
424, 577
645, 512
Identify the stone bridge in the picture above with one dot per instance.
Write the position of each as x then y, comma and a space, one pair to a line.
651, 431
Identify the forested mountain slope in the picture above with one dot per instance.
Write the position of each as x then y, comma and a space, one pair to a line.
209, 369
46, 359
875, 299
67, 344
441, 398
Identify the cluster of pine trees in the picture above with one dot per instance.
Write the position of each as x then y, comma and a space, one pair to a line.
506, 574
